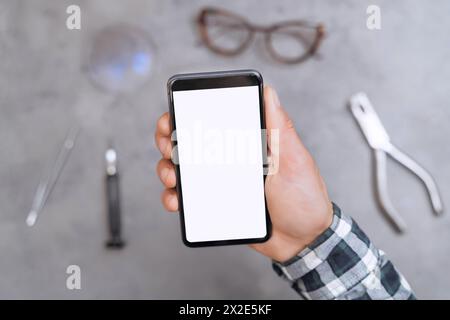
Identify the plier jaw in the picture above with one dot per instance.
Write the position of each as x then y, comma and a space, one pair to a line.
368, 120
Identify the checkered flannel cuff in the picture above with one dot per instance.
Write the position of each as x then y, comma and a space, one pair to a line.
342, 263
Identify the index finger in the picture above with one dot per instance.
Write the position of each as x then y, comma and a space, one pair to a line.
163, 125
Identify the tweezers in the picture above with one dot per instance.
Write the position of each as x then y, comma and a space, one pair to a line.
46, 184
379, 141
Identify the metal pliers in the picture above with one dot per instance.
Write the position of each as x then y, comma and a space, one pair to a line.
379, 141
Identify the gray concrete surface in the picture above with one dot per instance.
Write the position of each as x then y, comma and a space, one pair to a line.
403, 67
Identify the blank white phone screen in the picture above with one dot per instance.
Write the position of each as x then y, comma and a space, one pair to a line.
218, 134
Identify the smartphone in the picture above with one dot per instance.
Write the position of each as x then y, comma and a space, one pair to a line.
219, 151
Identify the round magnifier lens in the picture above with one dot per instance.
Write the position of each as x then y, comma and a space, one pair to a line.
122, 59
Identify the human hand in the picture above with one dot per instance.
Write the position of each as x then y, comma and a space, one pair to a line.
296, 194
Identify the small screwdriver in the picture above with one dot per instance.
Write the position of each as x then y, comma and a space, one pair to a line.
113, 198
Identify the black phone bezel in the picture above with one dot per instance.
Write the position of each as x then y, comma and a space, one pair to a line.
214, 80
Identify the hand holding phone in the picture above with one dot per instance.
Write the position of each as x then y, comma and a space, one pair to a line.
296, 194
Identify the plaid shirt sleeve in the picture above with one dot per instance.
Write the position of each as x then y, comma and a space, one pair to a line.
342, 263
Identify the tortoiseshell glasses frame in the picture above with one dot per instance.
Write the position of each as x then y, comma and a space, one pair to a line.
235, 22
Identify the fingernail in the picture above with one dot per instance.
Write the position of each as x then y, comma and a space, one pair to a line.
173, 201
162, 145
164, 173
275, 99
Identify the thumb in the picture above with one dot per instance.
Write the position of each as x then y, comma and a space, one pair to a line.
286, 148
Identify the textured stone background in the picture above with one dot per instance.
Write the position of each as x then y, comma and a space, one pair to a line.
404, 68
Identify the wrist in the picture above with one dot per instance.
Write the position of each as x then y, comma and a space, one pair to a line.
290, 246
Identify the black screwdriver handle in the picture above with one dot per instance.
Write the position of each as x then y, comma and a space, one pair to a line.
114, 212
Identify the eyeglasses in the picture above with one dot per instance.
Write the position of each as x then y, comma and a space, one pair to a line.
288, 42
